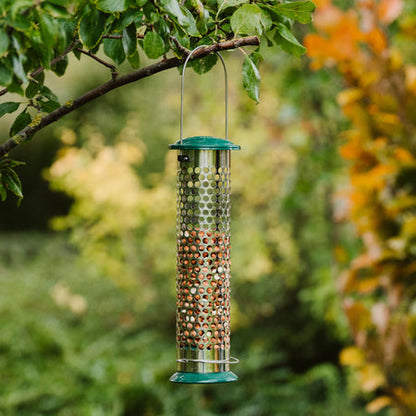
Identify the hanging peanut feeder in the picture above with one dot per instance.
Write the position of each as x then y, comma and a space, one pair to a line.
203, 255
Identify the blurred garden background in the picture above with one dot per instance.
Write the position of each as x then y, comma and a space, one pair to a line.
323, 235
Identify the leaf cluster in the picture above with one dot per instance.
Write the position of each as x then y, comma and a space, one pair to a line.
88, 347
9, 181
36, 36
378, 286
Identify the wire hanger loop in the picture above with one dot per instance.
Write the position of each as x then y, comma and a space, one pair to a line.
225, 84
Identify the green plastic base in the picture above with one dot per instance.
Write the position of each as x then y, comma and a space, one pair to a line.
203, 378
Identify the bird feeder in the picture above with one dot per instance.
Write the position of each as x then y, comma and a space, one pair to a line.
203, 255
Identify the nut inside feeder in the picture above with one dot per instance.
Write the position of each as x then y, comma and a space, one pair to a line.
203, 256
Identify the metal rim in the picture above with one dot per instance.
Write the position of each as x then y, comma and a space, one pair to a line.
232, 360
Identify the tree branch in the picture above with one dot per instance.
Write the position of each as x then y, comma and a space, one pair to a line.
41, 122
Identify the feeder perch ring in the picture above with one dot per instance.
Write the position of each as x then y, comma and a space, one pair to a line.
232, 360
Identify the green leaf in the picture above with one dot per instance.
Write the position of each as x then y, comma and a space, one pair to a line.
6, 162
3, 192
251, 79
266, 20
9, 107
6, 76
113, 48
141, 3
225, 4
201, 23
40, 77
67, 30
19, 22
111, 6
130, 40
4, 42
246, 20
134, 60
127, 18
274, 15
162, 28
203, 65
11, 181
18, 69
190, 23
16, 87
22, 120
56, 10
297, 10
48, 30
60, 67
45, 54
287, 41
184, 41
63, 3
77, 54
18, 43
92, 28
13, 163
174, 9
46, 92
153, 45
32, 89
154, 18
18, 7
49, 105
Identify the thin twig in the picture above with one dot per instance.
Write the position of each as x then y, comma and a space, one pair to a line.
36, 4
96, 58
25, 134
121, 36
184, 50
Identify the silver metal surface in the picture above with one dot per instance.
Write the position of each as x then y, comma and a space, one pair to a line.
226, 89
203, 261
232, 360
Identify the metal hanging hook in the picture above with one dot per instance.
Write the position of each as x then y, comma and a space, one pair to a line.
226, 89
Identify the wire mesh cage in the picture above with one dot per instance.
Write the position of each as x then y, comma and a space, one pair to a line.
203, 257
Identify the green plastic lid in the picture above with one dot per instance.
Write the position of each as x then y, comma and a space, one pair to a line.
204, 143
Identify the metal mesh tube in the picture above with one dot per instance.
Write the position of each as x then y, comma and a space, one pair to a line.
203, 261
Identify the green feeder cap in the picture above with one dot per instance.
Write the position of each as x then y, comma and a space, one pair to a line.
204, 143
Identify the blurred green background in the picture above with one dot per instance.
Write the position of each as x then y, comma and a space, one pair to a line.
87, 262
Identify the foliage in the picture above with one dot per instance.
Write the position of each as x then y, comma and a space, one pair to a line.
38, 36
118, 344
309, 121
378, 288
273, 291
75, 344
9, 181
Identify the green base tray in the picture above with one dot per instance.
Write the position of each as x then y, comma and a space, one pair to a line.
203, 378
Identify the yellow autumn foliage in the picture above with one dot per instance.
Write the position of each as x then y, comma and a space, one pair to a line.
379, 101
352, 356
377, 404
